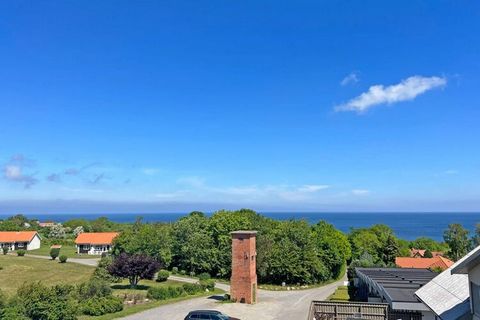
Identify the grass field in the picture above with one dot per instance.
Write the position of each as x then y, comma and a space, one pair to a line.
340, 294
17, 270
69, 251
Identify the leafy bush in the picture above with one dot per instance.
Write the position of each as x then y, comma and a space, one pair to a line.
101, 272
21, 253
191, 288
101, 305
192, 274
5, 250
54, 253
164, 293
16, 312
93, 289
183, 272
204, 276
52, 303
162, 275
174, 270
63, 258
207, 284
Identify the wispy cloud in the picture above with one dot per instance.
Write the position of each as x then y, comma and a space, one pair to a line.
350, 79
54, 177
407, 89
450, 172
77, 171
97, 178
360, 192
14, 171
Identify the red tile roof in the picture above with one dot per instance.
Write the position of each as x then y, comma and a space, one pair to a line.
96, 237
423, 263
17, 236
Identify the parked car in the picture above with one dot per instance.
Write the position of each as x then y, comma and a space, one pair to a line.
208, 314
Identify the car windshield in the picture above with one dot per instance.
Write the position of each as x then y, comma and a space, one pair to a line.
223, 316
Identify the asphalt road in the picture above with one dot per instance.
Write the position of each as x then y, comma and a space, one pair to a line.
283, 305
87, 262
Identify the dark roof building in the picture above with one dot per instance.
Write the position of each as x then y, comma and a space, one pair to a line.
395, 286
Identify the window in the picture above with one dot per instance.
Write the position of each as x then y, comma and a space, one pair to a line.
21, 245
475, 292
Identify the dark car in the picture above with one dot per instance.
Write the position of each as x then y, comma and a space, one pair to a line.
208, 314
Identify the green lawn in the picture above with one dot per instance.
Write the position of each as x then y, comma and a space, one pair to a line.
340, 294
68, 250
17, 270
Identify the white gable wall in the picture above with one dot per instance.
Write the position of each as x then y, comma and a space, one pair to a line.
34, 244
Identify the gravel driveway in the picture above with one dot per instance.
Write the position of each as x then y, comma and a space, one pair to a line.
284, 305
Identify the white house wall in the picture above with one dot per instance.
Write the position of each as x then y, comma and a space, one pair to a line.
35, 243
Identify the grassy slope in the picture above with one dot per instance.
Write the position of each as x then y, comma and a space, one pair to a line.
69, 251
17, 270
340, 294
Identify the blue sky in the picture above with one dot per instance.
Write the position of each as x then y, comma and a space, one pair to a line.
274, 105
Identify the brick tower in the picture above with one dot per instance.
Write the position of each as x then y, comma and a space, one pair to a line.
243, 283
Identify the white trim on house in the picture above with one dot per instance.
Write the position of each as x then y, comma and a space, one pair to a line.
93, 249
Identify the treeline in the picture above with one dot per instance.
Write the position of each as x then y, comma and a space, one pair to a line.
293, 251
287, 251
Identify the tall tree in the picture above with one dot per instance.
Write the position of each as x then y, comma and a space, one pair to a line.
456, 236
390, 250
154, 240
134, 267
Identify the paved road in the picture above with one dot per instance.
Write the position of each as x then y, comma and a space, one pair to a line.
282, 305
87, 262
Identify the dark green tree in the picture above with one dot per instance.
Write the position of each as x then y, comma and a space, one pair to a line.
456, 236
428, 254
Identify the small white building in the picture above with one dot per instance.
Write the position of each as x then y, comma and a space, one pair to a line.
95, 243
20, 240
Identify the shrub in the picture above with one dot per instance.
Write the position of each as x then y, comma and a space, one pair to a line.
162, 275
134, 267
204, 276
21, 253
192, 288
54, 253
101, 272
93, 289
103, 305
42, 302
5, 250
164, 293
183, 272
192, 274
207, 284
174, 270
63, 258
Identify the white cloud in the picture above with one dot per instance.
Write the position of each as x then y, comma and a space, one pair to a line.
193, 181
351, 78
313, 187
14, 171
407, 89
360, 192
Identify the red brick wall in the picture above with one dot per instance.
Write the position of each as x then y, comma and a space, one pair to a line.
244, 274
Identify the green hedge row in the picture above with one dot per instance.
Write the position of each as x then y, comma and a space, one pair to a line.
102, 305
165, 293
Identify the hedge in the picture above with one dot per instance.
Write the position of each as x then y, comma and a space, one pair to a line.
102, 305
165, 293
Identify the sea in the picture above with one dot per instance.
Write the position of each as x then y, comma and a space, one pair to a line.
406, 225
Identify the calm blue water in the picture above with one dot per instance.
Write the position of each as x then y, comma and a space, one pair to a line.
406, 225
